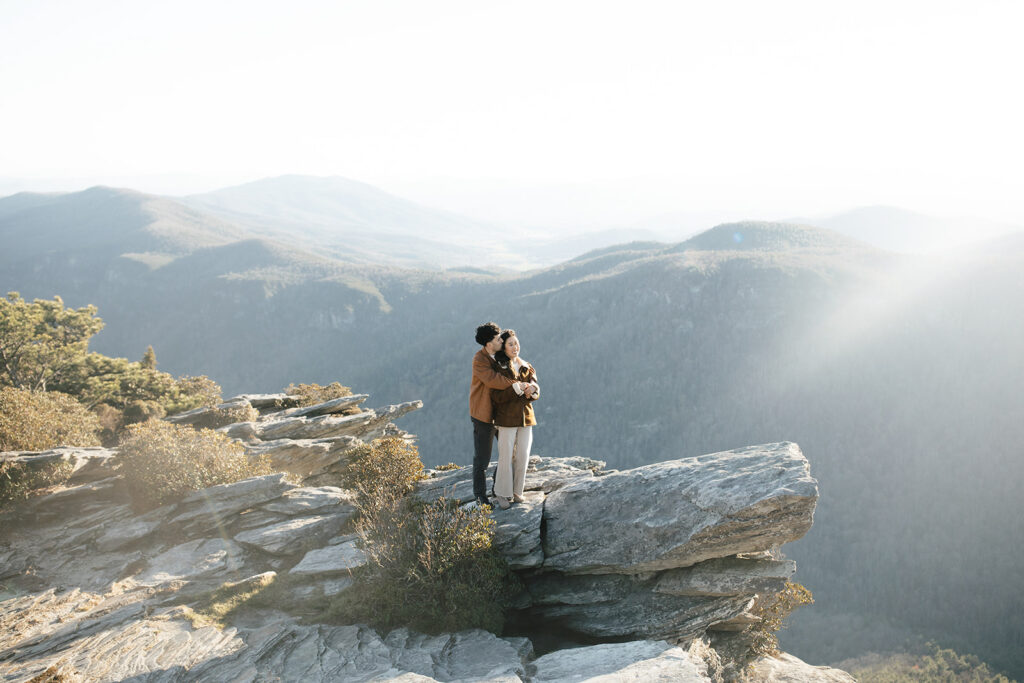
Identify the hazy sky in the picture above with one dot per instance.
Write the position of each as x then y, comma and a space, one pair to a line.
645, 107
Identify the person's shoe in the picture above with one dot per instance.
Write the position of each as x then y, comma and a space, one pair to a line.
503, 502
516, 498
482, 500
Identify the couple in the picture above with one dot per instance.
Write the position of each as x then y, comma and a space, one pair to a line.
501, 393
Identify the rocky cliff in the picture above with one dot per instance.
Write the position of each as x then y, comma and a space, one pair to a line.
642, 574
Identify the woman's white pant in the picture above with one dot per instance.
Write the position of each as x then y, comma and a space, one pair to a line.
513, 456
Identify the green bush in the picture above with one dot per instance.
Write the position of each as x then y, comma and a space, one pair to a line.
38, 420
41, 341
432, 567
194, 392
18, 480
382, 471
772, 611
95, 379
162, 462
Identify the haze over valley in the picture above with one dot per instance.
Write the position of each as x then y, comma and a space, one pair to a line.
897, 373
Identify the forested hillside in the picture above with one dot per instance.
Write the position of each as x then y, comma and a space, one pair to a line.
898, 377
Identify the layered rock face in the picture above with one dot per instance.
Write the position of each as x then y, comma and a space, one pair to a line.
670, 556
666, 551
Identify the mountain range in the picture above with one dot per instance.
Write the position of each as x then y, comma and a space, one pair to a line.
898, 375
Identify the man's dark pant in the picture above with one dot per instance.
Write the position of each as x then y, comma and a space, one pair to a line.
483, 438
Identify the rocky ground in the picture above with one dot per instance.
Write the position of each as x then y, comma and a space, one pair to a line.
644, 574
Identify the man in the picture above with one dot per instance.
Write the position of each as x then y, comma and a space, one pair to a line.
486, 376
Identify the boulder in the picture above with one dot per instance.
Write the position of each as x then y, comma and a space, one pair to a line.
549, 474
727, 576
214, 507
87, 463
304, 457
193, 559
121, 533
641, 660
255, 518
680, 512
617, 605
365, 425
788, 669
335, 405
517, 531
284, 650
452, 484
62, 502
330, 560
295, 535
307, 500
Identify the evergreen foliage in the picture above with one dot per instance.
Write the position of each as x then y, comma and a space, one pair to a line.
148, 361
38, 420
163, 462
42, 340
118, 382
44, 347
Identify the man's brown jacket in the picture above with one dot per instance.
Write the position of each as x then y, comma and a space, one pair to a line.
486, 376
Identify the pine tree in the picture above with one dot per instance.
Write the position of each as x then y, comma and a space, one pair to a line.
149, 359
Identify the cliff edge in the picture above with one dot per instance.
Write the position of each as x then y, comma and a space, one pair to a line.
643, 574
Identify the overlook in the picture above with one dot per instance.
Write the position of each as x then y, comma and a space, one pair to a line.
663, 576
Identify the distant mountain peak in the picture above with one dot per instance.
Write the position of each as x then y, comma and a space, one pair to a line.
767, 236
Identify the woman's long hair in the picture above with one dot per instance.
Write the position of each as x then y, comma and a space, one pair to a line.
501, 356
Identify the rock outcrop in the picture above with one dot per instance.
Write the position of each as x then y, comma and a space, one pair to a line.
666, 551
670, 556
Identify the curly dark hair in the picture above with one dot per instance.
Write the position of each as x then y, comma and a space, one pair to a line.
486, 332
501, 356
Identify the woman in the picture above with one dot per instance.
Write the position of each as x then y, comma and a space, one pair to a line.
513, 415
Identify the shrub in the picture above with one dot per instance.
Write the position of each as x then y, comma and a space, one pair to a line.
111, 423
38, 420
96, 379
447, 467
222, 417
194, 392
162, 462
311, 394
432, 567
18, 480
140, 411
772, 611
933, 664
382, 471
